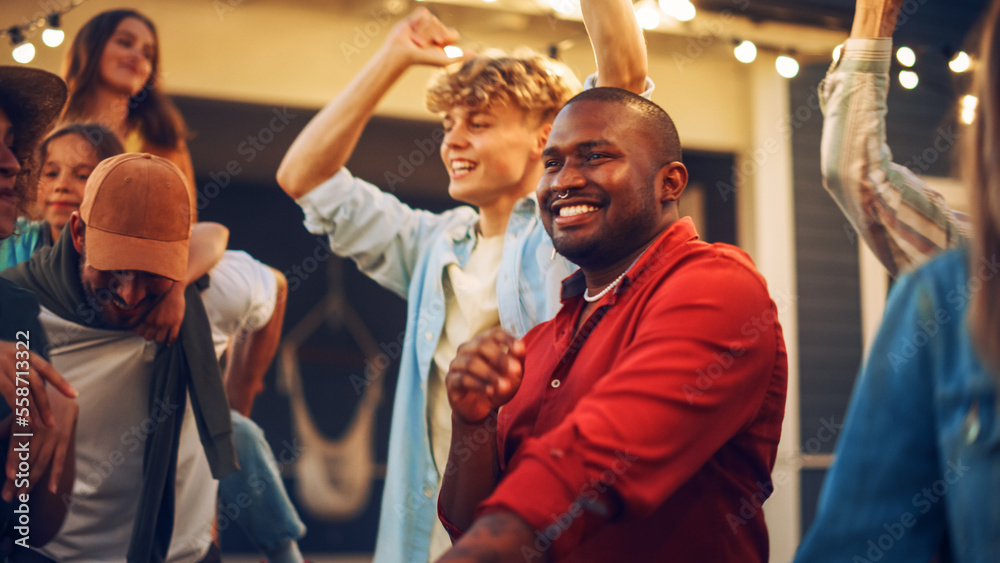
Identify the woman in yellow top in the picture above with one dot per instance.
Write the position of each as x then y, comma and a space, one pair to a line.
112, 71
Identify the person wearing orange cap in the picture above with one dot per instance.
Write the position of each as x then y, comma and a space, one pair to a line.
30, 99
145, 484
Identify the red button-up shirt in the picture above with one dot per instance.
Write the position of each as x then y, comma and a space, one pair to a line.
650, 435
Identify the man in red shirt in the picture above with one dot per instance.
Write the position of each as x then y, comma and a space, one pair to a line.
642, 422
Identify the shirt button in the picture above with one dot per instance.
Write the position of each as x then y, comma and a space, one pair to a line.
555, 383
428, 492
429, 337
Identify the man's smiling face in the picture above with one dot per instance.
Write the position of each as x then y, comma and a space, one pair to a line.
597, 157
123, 297
491, 152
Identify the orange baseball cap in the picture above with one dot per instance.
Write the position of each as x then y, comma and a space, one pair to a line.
137, 209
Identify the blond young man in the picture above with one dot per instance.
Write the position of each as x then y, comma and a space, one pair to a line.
463, 271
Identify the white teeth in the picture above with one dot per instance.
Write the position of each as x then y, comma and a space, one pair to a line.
572, 210
462, 165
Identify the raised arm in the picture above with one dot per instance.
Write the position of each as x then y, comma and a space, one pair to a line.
326, 143
901, 219
875, 18
618, 43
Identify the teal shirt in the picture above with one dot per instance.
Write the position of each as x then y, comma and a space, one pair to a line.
28, 237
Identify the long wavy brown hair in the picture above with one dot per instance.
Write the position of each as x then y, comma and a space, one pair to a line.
150, 110
983, 168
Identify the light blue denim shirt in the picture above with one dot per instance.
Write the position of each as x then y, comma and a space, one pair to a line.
917, 467
407, 250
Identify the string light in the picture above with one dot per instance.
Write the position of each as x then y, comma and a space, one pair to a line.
908, 79
786, 66
969, 103
565, 7
837, 51
23, 52
961, 62
906, 56
52, 35
648, 15
680, 10
745, 52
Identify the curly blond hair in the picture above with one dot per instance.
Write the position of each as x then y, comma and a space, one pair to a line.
526, 79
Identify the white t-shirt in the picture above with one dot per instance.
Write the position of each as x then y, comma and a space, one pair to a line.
471, 307
112, 370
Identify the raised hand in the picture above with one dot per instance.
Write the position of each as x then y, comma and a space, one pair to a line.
421, 39
875, 18
485, 374
163, 323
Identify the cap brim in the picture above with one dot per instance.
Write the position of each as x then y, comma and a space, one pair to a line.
110, 251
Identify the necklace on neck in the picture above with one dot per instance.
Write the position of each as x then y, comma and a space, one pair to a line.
593, 298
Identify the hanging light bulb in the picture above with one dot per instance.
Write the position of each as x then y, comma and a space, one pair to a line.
648, 15
685, 11
680, 10
908, 79
969, 103
565, 7
53, 36
906, 56
961, 62
23, 51
745, 52
786, 66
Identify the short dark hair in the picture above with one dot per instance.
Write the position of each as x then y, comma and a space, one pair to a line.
660, 127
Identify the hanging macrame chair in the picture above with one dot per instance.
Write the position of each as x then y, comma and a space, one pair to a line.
334, 477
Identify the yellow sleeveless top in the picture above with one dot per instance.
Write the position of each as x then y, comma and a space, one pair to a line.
133, 142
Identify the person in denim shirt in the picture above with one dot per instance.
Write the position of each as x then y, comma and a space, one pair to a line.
465, 270
917, 468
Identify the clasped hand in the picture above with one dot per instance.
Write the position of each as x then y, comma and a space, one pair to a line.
485, 374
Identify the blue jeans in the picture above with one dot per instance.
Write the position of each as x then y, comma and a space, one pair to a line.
255, 497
